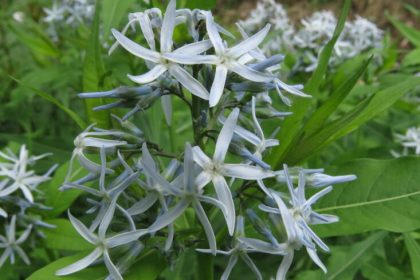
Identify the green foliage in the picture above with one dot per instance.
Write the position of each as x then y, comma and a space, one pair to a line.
64, 237
293, 123
94, 73
413, 249
411, 33
113, 12
58, 200
385, 196
48, 272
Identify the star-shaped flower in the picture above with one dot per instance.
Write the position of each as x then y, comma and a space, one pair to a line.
215, 169
11, 244
102, 243
161, 64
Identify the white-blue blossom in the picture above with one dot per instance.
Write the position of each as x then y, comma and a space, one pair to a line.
11, 244
102, 243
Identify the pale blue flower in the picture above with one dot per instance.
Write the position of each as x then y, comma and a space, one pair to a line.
185, 188
102, 244
161, 65
11, 245
239, 250
215, 170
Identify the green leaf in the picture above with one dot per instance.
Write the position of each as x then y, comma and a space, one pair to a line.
364, 112
58, 200
378, 269
64, 237
381, 101
293, 123
94, 73
205, 268
412, 58
37, 42
412, 9
56, 102
113, 13
345, 261
308, 146
149, 267
48, 272
333, 101
198, 4
413, 249
385, 196
411, 33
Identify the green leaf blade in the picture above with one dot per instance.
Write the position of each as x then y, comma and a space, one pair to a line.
386, 196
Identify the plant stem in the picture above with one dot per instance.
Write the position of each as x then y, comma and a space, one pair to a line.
198, 112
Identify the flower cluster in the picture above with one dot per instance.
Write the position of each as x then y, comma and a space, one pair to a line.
68, 12
316, 30
137, 189
409, 140
17, 186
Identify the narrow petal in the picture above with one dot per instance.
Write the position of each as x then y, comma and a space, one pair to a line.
289, 222
189, 179
5, 255
188, 81
135, 48
27, 193
169, 217
249, 73
214, 202
313, 199
190, 59
200, 157
12, 188
125, 238
213, 33
147, 30
143, 205
201, 215
322, 218
256, 123
218, 252
314, 237
22, 255
225, 196
232, 262
11, 229
195, 48
24, 235
68, 186
82, 229
202, 180
3, 213
252, 266
168, 26
269, 209
244, 134
284, 266
250, 43
150, 76
314, 256
106, 220
81, 264
112, 269
218, 85
262, 246
290, 89
225, 136
245, 171
167, 108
